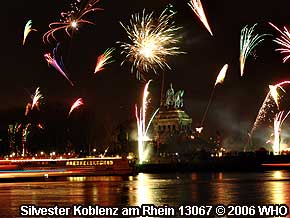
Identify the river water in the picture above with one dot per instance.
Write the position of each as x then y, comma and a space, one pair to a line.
251, 188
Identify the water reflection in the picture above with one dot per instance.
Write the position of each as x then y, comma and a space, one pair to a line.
278, 188
172, 189
144, 190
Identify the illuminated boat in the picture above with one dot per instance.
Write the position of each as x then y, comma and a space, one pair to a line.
62, 167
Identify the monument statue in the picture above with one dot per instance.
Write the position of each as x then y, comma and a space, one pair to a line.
174, 100
178, 100
169, 96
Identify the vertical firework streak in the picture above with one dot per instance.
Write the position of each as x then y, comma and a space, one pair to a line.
56, 62
27, 30
197, 8
278, 121
269, 104
25, 133
248, 42
284, 41
71, 19
103, 60
141, 123
220, 79
152, 40
75, 105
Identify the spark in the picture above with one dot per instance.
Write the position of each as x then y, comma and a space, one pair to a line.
56, 62
268, 105
141, 123
40, 126
278, 121
199, 129
36, 97
197, 8
104, 59
248, 42
220, 79
75, 105
27, 30
72, 19
151, 41
284, 41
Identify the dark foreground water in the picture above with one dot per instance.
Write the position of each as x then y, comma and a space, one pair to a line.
251, 188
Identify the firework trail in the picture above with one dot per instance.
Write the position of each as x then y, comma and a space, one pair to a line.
151, 41
284, 41
141, 123
197, 8
104, 59
278, 121
269, 105
56, 62
220, 79
27, 108
75, 105
248, 42
27, 30
36, 97
71, 19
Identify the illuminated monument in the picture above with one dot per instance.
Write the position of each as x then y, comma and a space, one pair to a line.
172, 126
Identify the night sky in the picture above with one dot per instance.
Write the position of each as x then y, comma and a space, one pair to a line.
113, 93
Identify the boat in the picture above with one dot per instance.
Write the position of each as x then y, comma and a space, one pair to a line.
64, 167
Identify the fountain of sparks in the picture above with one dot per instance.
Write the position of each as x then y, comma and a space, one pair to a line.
278, 121
141, 124
270, 104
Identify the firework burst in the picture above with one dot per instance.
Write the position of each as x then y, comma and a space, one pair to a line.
248, 42
57, 62
104, 59
197, 8
36, 97
141, 123
152, 40
71, 19
27, 30
284, 41
75, 105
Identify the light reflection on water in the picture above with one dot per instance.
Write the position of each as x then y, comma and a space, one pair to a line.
252, 188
